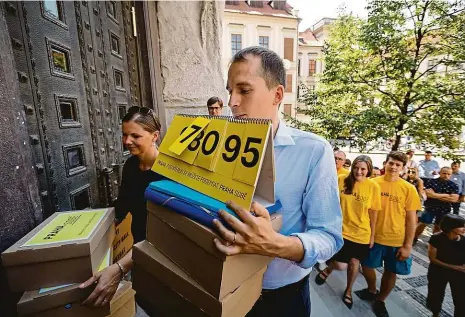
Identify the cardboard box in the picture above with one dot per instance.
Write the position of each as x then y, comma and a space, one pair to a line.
190, 245
165, 287
66, 248
66, 302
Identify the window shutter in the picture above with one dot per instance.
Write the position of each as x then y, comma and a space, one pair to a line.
288, 83
289, 49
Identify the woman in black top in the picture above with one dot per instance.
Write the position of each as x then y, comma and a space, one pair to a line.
141, 130
447, 265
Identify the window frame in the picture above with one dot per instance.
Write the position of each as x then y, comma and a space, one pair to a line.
232, 42
75, 170
64, 124
48, 16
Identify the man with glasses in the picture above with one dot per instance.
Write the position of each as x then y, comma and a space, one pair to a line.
441, 192
340, 158
215, 106
458, 177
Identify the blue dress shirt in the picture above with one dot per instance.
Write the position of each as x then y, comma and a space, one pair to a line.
306, 185
426, 169
459, 180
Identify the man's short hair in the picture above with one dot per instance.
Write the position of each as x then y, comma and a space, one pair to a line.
376, 168
428, 152
410, 151
272, 71
214, 100
339, 151
398, 156
456, 162
444, 167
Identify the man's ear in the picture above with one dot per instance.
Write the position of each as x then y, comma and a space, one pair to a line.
279, 95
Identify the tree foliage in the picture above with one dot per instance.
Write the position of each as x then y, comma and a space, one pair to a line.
397, 73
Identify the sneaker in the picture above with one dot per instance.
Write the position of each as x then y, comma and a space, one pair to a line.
365, 294
379, 308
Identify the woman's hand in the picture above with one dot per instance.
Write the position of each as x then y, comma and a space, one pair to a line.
107, 283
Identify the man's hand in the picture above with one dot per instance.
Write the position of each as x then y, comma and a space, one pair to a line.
254, 234
372, 241
462, 199
107, 283
403, 253
430, 193
434, 173
460, 268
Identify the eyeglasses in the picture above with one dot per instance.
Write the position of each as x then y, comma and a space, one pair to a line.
339, 159
143, 110
411, 172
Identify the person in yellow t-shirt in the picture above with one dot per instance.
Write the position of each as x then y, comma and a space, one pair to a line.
340, 158
394, 232
360, 199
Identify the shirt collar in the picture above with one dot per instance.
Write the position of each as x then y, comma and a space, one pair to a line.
283, 135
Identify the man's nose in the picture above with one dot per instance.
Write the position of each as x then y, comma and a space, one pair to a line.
234, 100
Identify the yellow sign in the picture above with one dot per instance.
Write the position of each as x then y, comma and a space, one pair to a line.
68, 227
123, 238
225, 158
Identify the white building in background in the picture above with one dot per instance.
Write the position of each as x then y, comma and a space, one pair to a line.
272, 24
310, 56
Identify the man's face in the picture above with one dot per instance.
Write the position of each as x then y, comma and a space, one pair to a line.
428, 156
249, 97
410, 154
215, 109
340, 159
375, 173
455, 167
393, 167
445, 174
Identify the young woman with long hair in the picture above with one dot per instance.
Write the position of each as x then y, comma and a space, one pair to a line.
360, 198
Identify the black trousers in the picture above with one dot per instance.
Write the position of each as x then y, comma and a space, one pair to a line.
438, 277
456, 208
290, 300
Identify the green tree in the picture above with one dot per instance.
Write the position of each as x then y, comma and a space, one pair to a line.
397, 73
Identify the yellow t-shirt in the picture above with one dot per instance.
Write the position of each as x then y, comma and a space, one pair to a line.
355, 217
343, 171
396, 198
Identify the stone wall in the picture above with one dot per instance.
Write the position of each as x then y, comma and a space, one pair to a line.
20, 209
190, 55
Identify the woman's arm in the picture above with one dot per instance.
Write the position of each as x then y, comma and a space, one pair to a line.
373, 214
421, 189
432, 253
107, 281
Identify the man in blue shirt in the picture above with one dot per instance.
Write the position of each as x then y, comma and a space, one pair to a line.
458, 177
428, 168
306, 185
441, 192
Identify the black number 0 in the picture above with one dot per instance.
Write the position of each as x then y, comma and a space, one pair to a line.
212, 149
254, 151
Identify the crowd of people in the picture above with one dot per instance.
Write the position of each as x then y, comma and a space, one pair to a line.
384, 212
346, 213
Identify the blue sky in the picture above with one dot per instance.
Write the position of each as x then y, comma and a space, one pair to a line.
311, 11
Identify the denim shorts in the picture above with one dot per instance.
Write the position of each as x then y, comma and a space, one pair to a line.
429, 217
382, 253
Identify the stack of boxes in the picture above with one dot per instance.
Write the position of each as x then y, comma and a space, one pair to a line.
179, 271
50, 262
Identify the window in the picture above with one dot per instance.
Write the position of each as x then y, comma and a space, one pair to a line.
111, 7
311, 67
75, 161
432, 65
80, 198
118, 77
122, 112
114, 42
289, 49
288, 83
53, 10
236, 43
60, 60
264, 41
287, 109
68, 115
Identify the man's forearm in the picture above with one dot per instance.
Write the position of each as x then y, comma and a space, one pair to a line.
290, 248
410, 227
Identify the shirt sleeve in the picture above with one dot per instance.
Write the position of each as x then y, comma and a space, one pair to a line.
463, 185
434, 240
454, 188
412, 202
320, 204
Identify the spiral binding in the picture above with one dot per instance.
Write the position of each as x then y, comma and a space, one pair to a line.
229, 118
